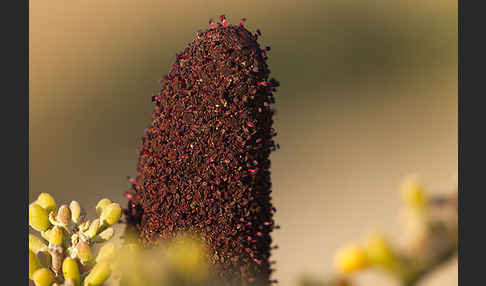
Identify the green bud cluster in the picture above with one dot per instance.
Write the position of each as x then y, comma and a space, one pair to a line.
65, 255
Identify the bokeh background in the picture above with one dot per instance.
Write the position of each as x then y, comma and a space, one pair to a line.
368, 96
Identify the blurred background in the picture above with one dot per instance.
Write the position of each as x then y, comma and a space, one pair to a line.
368, 96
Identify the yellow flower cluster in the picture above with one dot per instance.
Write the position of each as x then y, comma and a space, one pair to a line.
64, 255
431, 224
374, 251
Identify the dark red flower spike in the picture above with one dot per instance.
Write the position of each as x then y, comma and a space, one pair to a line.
204, 159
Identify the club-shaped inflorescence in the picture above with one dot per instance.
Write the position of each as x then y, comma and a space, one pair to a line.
204, 162
65, 253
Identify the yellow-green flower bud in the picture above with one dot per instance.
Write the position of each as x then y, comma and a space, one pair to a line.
414, 194
46, 201
111, 214
106, 234
38, 218
84, 252
33, 263
36, 244
101, 205
76, 211
107, 252
93, 228
379, 251
63, 215
129, 255
100, 272
351, 258
70, 270
55, 236
43, 277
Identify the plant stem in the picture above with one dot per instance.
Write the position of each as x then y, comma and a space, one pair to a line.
418, 275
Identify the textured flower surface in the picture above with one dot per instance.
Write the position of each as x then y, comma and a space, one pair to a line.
204, 160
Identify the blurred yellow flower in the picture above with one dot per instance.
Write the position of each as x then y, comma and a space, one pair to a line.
188, 256
379, 251
413, 194
351, 258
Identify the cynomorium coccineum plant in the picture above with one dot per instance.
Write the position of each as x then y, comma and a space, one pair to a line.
204, 160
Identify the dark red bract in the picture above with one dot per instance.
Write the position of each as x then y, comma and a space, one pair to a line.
204, 160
